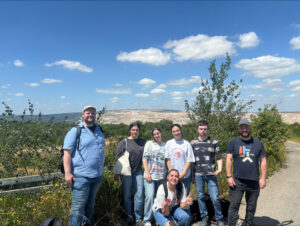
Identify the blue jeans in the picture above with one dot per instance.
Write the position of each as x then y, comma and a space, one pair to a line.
212, 185
182, 217
84, 191
150, 191
134, 181
187, 184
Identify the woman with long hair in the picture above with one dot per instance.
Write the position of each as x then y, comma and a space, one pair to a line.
155, 169
135, 146
171, 202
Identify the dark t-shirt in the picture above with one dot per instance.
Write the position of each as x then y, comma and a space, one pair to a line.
246, 156
135, 149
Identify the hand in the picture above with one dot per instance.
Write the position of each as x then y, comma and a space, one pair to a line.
217, 172
165, 203
148, 178
117, 177
69, 178
181, 176
262, 183
231, 182
189, 200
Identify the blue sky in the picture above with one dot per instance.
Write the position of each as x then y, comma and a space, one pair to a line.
145, 55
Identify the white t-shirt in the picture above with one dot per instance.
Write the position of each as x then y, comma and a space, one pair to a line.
172, 197
179, 152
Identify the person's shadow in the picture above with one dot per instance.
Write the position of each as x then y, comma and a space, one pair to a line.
267, 221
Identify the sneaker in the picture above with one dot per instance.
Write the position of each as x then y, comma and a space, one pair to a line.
204, 222
139, 223
221, 223
147, 223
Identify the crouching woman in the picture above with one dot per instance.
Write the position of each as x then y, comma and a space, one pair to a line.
171, 203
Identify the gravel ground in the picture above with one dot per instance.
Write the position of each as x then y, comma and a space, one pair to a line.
280, 200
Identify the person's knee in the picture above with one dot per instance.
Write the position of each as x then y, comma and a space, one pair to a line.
171, 223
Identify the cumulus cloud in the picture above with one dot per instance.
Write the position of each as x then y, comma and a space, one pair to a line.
5, 86
269, 66
151, 56
295, 89
71, 65
200, 47
19, 94
18, 63
161, 86
266, 84
114, 91
51, 81
142, 95
118, 84
146, 82
248, 40
295, 42
32, 84
184, 82
157, 91
294, 83
62, 97
114, 99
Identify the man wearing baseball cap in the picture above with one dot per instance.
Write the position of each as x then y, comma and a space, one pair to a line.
248, 155
83, 164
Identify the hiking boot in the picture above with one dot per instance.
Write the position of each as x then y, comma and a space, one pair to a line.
147, 223
221, 223
204, 222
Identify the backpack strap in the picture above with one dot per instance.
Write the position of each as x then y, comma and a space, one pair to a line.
165, 189
78, 133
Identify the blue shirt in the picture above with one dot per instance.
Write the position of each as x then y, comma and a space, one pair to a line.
89, 161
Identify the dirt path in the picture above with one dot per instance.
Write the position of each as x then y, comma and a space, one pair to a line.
280, 200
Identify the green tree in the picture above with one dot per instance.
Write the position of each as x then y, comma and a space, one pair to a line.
219, 103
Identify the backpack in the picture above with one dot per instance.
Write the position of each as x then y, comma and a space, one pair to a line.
61, 165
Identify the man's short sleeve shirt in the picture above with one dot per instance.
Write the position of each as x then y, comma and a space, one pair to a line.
246, 156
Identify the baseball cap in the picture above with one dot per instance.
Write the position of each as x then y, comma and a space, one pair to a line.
244, 121
88, 107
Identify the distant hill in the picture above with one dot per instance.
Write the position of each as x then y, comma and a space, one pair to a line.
128, 116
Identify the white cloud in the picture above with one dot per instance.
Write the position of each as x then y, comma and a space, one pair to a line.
18, 63
151, 56
200, 47
161, 86
5, 86
295, 42
114, 91
51, 81
157, 91
294, 83
266, 84
118, 84
177, 94
269, 66
19, 94
277, 89
142, 95
32, 84
114, 99
146, 82
184, 82
248, 40
71, 65
296, 89
62, 97
196, 90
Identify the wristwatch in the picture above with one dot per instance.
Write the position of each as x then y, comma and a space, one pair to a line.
228, 177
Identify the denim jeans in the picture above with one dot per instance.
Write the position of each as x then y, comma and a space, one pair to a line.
182, 217
187, 184
212, 185
150, 192
251, 190
134, 181
84, 191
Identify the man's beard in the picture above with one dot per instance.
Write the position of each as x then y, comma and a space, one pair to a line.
88, 122
248, 134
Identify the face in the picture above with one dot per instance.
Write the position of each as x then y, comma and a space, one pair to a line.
176, 132
134, 132
202, 130
245, 131
157, 136
89, 116
173, 177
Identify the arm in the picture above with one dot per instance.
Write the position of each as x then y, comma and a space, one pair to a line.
220, 165
230, 180
263, 165
185, 170
165, 208
147, 173
69, 178
169, 165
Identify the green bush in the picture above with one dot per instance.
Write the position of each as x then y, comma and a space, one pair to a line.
294, 132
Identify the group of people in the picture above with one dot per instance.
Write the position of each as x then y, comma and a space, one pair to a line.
162, 191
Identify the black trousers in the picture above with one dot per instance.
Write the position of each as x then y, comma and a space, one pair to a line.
251, 190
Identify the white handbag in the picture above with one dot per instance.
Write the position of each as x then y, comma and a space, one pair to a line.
122, 165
